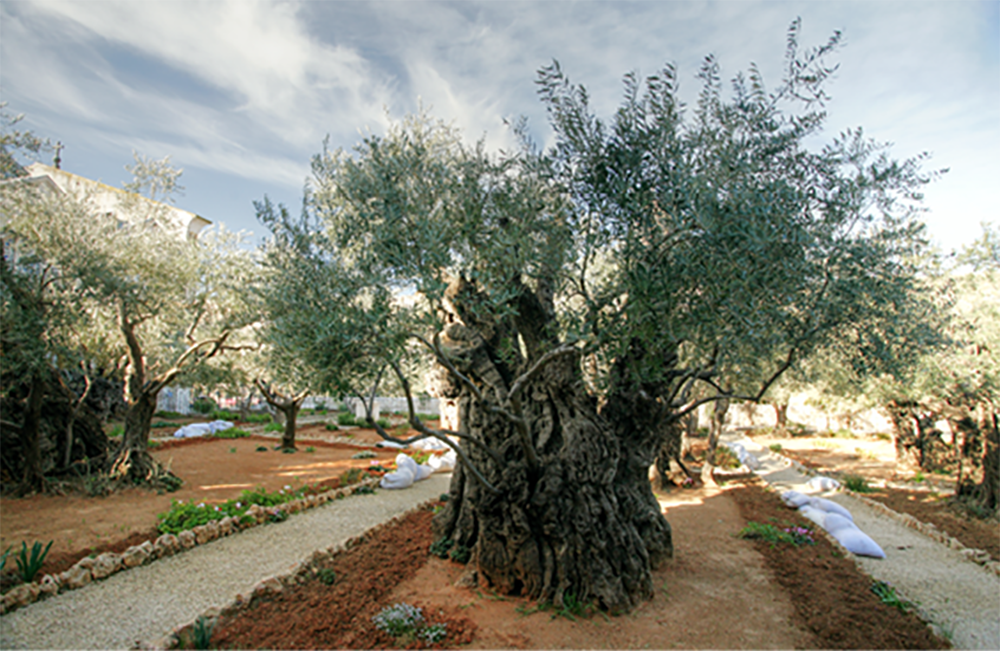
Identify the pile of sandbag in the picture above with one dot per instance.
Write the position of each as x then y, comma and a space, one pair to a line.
837, 520
407, 471
202, 429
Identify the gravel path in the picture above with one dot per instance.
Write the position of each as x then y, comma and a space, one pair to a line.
144, 604
961, 598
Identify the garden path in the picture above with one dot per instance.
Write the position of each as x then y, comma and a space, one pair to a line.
961, 598
141, 606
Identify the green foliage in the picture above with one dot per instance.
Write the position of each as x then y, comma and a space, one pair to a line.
3, 558
384, 423
231, 433
460, 554
221, 414
725, 458
204, 406
187, 515
857, 484
168, 414
259, 418
792, 535
163, 423
327, 576
345, 418
116, 432
887, 595
441, 547
364, 454
310, 449
775, 447
274, 427
260, 448
350, 476
202, 633
407, 625
28, 565
332, 427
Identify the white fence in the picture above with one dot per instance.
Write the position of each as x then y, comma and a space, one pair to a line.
179, 400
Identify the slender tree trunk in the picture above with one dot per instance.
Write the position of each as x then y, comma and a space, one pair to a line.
288, 407
781, 418
720, 407
71, 421
32, 479
133, 463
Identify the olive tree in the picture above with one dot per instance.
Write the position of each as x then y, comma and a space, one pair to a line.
161, 301
575, 300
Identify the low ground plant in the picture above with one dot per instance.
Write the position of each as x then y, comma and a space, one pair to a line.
259, 418
887, 594
857, 484
183, 516
724, 458
364, 454
346, 418
793, 534
775, 447
168, 414
164, 423
223, 414
332, 427
232, 433
28, 565
274, 427
204, 406
406, 624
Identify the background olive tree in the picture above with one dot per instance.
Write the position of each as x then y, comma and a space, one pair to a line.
575, 300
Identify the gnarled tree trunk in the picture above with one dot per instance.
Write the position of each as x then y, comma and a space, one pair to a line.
579, 523
288, 407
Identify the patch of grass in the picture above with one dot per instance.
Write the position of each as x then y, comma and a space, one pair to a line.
164, 423
440, 547
261, 448
724, 458
346, 418
168, 414
857, 484
460, 554
775, 447
187, 515
887, 595
327, 576
232, 450
310, 449
222, 414
351, 476
202, 633
332, 427
384, 423
274, 427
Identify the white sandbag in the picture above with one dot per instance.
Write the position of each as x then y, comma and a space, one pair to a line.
830, 507
193, 430
390, 444
430, 444
747, 459
220, 425
442, 463
853, 539
404, 461
794, 499
823, 484
397, 479
423, 472
814, 514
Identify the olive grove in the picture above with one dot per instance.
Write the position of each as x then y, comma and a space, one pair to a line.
578, 302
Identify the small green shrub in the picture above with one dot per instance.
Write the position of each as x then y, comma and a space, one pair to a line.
724, 458
202, 633
232, 450
383, 423
440, 547
259, 418
168, 414
223, 414
3, 558
261, 448
332, 427
428, 417
28, 565
274, 427
460, 554
364, 454
319, 405
183, 516
310, 449
232, 433
857, 484
288, 450
407, 625
887, 594
116, 432
204, 406
327, 576
164, 423
775, 447
345, 419
350, 476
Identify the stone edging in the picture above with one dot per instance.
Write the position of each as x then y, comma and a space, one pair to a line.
183, 636
95, 569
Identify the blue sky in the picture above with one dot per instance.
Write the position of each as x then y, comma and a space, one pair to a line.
241, 94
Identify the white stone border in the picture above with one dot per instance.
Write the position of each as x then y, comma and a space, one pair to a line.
95, 569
